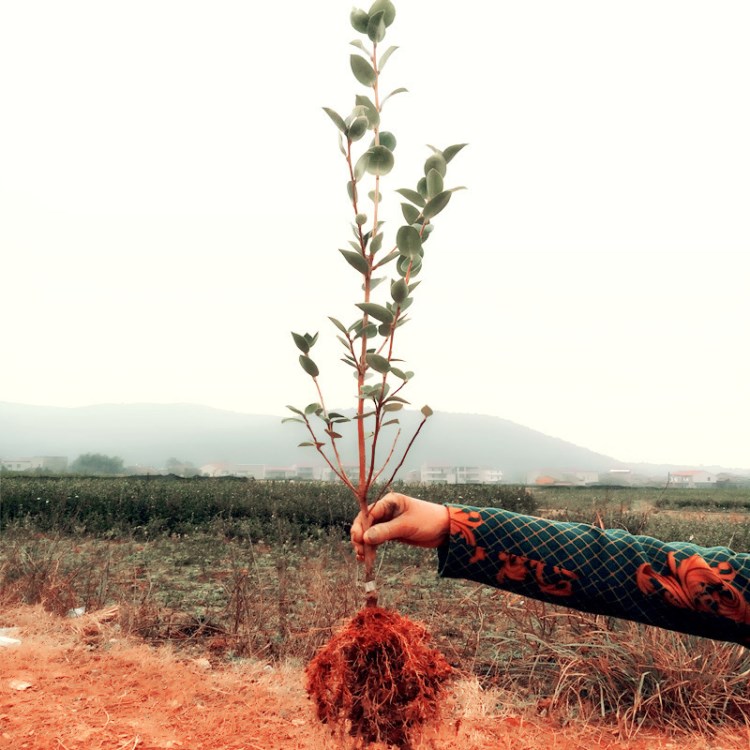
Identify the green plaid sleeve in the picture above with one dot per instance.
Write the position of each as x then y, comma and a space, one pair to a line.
676, 585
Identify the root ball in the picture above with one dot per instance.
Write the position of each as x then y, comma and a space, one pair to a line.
378, 679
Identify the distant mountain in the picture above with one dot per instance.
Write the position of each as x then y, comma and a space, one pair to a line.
149, 434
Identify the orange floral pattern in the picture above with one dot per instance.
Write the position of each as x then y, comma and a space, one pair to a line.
551, 579
694, 584
464, 522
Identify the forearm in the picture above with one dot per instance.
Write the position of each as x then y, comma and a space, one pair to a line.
677, 586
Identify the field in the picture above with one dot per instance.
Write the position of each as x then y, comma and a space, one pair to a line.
233, 585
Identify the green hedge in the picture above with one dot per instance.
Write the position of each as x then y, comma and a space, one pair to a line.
147, 506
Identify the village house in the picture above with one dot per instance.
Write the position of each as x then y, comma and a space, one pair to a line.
691, 478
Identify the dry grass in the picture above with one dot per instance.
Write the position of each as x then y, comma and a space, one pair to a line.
281, 604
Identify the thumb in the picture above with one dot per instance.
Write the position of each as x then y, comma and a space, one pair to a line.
380, 533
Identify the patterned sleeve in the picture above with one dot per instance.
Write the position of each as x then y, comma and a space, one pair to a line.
676, 585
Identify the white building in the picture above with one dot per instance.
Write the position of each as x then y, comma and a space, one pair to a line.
692, 478
43, 463
449, 474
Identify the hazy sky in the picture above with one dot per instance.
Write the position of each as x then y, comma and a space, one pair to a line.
172, 199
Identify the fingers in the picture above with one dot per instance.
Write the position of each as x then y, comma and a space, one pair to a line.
387, 508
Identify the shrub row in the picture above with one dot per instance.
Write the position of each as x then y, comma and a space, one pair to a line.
148, 506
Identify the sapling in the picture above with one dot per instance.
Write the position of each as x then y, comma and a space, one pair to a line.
369, 349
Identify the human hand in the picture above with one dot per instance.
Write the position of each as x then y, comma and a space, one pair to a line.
397, 517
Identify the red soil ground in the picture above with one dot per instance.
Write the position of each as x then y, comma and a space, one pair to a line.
78, 684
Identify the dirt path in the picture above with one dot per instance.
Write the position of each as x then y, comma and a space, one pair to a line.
78, 685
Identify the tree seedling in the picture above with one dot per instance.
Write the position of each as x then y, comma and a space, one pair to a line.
378, 678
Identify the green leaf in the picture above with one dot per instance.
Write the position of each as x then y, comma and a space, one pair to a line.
358, 128
387, 8
309, 366
435, 161
370, 110
379, 160
377, 243
398, 373
387, 139
384, 57
427, 411
376, 27
400, 90
390, 421
351, 190
422, 188
393, 407
376, 282
295, 410
399, 399
376, 311
362, 70
301, 343
378, 363
338, 120
358, 19
412, 196
384, 329
338, 325
312, 408
434, 183
451, 151
356, 261
437, 204
292, 419
358, 44
399, 291
360, 167
306, 445
411, 214
371, 195
311, 339
388, 258
410, 265
408, 241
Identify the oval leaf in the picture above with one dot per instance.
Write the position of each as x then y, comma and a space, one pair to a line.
337, 119
435, 161
412, 195
362, 70
356, 261
387, 8
451, 151
437, 204
358, 128
309, 366
376, 311
399, 291
301, 343
378, 363
338, 324
376, 27
384, 57
434, 182
359, 19
409, 242
379, 160
388, 140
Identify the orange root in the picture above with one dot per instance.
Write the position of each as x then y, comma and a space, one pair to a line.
378, 679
